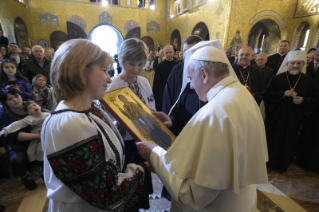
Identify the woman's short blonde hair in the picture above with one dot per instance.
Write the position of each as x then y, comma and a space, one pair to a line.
133, 49
70, 64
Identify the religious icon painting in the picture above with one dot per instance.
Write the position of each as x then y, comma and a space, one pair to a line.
136, 118
43, 43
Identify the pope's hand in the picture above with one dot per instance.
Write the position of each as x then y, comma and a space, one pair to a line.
149, 166
145, 149
164, 118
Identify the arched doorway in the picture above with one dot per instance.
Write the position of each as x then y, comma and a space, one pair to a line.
21, 33
176, 37
134, 33
264, 36
107, 37
57, 38
75, 31
301, 35
201, 30
149, 42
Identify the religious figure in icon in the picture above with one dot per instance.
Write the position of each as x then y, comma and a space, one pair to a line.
144, 122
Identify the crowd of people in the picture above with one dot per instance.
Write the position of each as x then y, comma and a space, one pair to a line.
237, 112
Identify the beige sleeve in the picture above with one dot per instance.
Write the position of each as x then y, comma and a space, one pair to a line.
184, 191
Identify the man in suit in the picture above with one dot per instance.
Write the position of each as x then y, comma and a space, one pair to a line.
274, 61
234, 59
312, 67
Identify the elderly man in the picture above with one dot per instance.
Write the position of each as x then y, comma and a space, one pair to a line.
3, 40
275, 61
216, 160
251, 77
162, 72
14, 52
38, 64
268, 72
289, 102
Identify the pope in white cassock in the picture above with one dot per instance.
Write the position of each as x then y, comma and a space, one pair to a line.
221, 153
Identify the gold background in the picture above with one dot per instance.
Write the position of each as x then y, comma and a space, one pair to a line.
235, 15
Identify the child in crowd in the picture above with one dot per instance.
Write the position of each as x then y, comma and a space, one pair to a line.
42, 93
35, 118
10, 76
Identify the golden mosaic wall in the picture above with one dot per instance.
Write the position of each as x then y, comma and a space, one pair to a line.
240, 17
90, 12
222, 17
214, 14
9, 11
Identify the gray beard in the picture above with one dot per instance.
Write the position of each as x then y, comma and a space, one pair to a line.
294, 72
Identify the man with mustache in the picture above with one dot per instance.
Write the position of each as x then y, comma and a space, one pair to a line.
289, 102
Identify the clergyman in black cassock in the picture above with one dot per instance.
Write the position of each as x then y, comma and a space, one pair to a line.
162, 73
275, 61
286, 112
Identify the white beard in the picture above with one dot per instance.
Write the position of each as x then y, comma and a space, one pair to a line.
294, 72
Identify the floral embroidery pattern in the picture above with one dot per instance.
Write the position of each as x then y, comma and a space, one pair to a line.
82, 168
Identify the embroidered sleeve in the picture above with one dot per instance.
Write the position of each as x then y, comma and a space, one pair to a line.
82, 168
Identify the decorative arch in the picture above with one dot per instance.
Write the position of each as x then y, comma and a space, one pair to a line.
108, 37
176, 36
201, 30
315, 42
21, 33
57, 38
264, 36
300, 34
267, 13
149, 42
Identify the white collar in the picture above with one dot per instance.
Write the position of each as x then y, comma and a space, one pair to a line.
219, 86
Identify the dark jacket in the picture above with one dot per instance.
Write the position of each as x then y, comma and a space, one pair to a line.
314, 74
32, 68
268, 73
4, 41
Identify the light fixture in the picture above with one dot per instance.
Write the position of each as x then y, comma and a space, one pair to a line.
172, 16
152, 7
104, 3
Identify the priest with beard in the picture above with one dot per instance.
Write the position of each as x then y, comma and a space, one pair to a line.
289, 102
251, 77
162, 73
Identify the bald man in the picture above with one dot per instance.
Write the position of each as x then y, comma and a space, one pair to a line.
162, 73
251, 77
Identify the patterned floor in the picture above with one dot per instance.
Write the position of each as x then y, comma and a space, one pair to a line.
294, 191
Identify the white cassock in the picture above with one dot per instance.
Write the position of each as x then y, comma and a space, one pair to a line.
219, 156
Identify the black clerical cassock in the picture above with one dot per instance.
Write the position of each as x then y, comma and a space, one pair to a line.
253, 79
162, 73
284, 118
